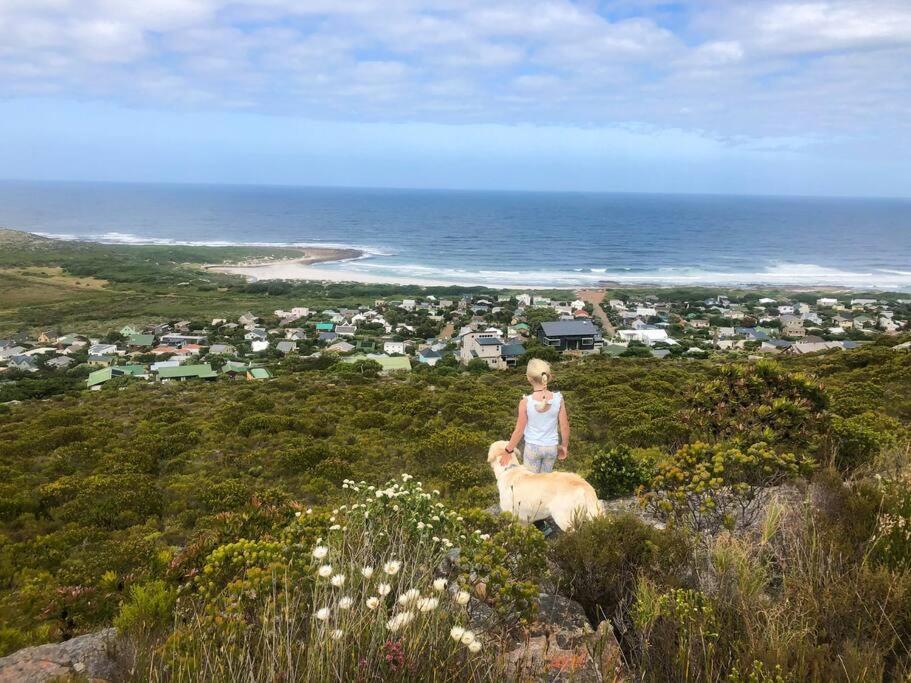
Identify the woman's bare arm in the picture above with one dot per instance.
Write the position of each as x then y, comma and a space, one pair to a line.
564, 432
521, 421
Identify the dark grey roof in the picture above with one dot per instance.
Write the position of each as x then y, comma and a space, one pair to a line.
488, 341
569, 328
512, 350
429, 353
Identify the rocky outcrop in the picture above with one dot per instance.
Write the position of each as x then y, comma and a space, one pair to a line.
562, 646
97, 657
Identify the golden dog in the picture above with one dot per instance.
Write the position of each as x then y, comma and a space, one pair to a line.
530, 496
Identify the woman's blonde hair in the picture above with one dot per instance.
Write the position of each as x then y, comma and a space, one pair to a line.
539, 372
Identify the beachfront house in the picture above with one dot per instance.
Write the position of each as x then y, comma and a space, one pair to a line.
571, 335
393, 347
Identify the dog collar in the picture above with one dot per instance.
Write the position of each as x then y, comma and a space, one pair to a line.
510, 466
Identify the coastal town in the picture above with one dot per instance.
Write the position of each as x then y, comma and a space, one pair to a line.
492, 332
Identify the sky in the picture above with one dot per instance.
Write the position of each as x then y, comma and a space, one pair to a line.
727, 96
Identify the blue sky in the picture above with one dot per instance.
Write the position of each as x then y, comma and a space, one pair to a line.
765, 96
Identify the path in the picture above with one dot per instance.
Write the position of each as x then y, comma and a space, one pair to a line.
595, 297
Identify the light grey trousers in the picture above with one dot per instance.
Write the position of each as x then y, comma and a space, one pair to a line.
539, 458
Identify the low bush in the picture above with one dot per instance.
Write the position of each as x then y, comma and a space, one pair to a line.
600, 562
621, 471
713, 487
148, 610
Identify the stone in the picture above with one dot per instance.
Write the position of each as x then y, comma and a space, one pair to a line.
99, 657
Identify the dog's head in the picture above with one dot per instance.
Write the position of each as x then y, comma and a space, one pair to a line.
495, 454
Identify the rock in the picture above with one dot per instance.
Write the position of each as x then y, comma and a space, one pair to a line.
606, 651
630, 505
557, 646
98, 657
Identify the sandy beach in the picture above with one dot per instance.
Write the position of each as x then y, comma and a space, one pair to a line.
287, 269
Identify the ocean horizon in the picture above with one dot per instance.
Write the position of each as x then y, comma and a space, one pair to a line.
494, 238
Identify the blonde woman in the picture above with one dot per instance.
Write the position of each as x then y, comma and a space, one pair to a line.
541, 413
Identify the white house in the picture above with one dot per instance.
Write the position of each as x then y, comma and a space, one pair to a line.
785, 310
392, 347
826, 302
258, 346
645, 311
647, 336
578, 304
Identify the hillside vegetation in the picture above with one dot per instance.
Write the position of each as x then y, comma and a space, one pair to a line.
111, 491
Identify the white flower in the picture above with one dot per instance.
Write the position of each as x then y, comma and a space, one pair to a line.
468, 638
399, 620
297, 514
485, 537
462, 597
475, 646
336, 634
322, 613
325, 571
335, 527
373, 602
320, 551
309, 511
456, 632
421, 525
383, 589
439, 585
428, 604
406, 477
338, 580
367, 572
409, 596
392, 567
345, 603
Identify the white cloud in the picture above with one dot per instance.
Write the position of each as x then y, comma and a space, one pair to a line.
765, 69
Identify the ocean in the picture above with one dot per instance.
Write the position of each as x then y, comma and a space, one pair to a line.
502, 238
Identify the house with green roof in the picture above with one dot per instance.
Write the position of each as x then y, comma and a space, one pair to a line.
325, 327
234, 368
128, 331
141, 340
99, 377
183, 372
258, 373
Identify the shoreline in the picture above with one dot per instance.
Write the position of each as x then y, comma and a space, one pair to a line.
305, 269
309, 256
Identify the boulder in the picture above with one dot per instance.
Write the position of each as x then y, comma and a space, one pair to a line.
98, 657
557, 647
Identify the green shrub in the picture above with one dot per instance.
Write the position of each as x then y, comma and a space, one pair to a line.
620, 471
148, 610
710, 487
859, 439
599, 562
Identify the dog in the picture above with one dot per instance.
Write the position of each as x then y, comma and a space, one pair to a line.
530, 496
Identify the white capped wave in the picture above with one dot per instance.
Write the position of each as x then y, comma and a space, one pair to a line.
781, 274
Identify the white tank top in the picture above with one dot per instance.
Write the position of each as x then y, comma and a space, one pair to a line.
541, 429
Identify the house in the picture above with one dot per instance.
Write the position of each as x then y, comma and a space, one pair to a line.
47, 337
222, 350
102, 349
342, 347
647, 336
99, 377
346, 330
487, 348
326, 337
785, 310
100, 360
774, 345
393, 347
234, 369
247, 319
60, 363
800, 348
140, 340
256, 334
10, 351
129, 331
184, 372
170, 363
511, 352
698, 323
791, 326
862, 321
286, 347
470, 345
259, 346
826, 302
571, 335
23, 363
295, 334
429, 356
181, 339
258, 373
325, 327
